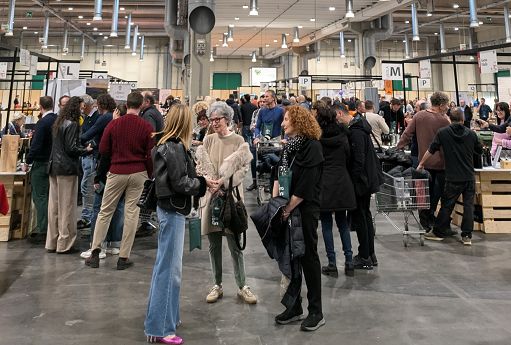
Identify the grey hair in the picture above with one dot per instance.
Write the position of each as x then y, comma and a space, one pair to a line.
87, 100
457, 115
221, 109
439, 98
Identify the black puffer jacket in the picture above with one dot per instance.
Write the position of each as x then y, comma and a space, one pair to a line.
175, 177
283, 241
337, 192
365, 167
66, 150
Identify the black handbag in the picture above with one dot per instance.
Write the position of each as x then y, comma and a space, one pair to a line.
148, 199
234, 215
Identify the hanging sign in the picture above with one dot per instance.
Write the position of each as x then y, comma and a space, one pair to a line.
391, 71
24, 58
33, 64
387, 85
69, 71
264, 86
487, 61
305, 82
3, 70
99, 75
425, 83
425, 69
120, 92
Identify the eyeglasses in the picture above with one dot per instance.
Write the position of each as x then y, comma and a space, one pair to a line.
217, 119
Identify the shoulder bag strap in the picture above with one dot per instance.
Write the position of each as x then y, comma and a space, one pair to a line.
377, 142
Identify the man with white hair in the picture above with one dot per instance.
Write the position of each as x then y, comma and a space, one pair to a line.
90, 115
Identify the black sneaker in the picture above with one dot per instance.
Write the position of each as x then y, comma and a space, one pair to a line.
82, 224
93, 260
36, 238
124, 263
362, 264
330, 270
267, 190
450, 232
145, 229
252, 187
290, 315
349, 269
72, 250
312, 322
374, 259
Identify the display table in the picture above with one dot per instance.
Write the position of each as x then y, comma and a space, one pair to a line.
492, 203
15, 224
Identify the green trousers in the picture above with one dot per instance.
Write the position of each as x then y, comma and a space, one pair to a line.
215, 255
40, 194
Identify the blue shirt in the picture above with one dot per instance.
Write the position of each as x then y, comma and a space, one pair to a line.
272, 117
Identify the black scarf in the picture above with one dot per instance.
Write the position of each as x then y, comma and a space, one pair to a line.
292, 147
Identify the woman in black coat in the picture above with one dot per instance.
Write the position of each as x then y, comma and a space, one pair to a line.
337, 192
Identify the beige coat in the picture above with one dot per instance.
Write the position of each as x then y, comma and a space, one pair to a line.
235, 164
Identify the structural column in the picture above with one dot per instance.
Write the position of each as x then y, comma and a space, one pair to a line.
200, 76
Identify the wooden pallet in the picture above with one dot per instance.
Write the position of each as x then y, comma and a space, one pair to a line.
15, 224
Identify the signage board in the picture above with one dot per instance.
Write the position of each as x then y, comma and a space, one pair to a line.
33, 64
69, 70
260, 75
24, 58
424, 83
305, 82
391, 71
3, 70
99, 75
425, 69
488, 61
120, 92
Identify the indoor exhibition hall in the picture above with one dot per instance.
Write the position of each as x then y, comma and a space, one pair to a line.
255, 172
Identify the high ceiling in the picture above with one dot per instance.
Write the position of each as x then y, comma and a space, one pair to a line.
251, 32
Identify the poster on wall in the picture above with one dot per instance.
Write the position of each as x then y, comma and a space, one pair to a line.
96, 87
425, 69
487, 61
259, 75
120, 92
3, 70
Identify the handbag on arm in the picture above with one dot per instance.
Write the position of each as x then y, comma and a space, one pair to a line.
234, 215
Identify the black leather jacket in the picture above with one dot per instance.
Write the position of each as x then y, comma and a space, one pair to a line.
175, 177
66, 150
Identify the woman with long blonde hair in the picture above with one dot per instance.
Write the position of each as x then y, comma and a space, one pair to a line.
175, 181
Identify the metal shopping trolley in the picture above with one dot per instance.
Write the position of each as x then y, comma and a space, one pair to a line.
267, 151
399, 194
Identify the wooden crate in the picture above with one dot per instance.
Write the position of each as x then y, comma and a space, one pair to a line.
17, 186
457, 216
5, 220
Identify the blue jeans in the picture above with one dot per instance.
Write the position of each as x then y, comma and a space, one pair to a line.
247, 135
87, 186
342, 223
114, 235
163, 307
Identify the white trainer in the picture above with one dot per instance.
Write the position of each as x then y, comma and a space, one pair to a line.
246, 295
113, 251
215, 294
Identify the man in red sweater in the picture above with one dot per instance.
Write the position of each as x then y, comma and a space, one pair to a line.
128, 142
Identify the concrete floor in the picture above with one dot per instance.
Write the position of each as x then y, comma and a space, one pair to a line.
442, 293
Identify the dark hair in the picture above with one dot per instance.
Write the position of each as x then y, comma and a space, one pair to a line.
395, 101
71, 112
202, 115
457, 115
352, 106
327, 100
369, 105
247, 97
231, 96
505, 108
135, 100
122, 109
46, 102
149, 97
106, 102
61, 98
325, 115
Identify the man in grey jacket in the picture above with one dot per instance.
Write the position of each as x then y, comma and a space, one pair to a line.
150, 113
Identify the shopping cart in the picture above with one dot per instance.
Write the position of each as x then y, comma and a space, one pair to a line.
403, 195
265, 148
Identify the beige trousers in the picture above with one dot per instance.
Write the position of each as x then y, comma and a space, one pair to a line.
116, 185
61, 234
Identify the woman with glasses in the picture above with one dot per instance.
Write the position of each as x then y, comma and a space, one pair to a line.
503, 118
224, 154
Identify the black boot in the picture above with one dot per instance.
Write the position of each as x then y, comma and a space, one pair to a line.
123, 263
330, 270
93, 260
362, 264
291, 314
349, 269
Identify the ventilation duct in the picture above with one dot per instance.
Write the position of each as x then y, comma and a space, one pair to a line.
128, 33
142, 42
82, 50
349, 9
442, 39
407, 47
135, 41
415, 23
98, 10
474, 22
506, 23
115, 19
65, 41
12, 5
176, 26
201, 15
46, 30
372, 36
341, 44
296, 36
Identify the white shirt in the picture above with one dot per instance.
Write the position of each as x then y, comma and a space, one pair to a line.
378, 126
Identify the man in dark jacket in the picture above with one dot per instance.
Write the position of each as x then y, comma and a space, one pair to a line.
364, 173
247, 109
467, 113
150, 113
39, 156
459, 144
237, 113
394, 117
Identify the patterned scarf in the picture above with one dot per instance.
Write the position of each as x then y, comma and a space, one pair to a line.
292, 147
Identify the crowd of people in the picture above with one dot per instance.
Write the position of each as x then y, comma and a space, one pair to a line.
328, 169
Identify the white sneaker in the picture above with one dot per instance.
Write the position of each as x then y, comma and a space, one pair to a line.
216, 293
246, 295
113, 251
88, 253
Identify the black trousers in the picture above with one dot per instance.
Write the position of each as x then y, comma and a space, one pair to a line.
436, 188
310, 266
362, 222
452, 192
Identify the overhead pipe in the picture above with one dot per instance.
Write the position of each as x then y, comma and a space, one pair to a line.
10, 29
135, 41
64, 43
284, 42
46, 30
253, 8
142, 42
82, 51
341, 44
506, 23
472, 6
442, 39
415, 23
98, 10
470, 38
349, 9
176, 29
318, 51
371, 37
254, 59
115, 19
296, 36
230, 34
128, 32
407, 47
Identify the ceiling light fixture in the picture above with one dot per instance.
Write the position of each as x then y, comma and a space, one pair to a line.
122, 9
230, 34
300, 27
100, 34
275, 41
331, 8
407, 22
88, 23
284, 42
254, 59
455, 6
253, 8
245, 6
95, 29
266, 45
225, 44
312, 19
115, 19
349, 9
98, 10
296, 37
211, 57
236, 18
456, 28
429, 14
70, 8
127, 40
36, 32
80, 17
25, 28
